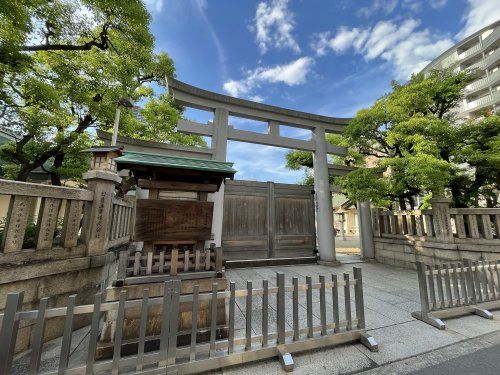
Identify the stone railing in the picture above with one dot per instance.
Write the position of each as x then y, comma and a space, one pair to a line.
440, 234
41, 217
56, 241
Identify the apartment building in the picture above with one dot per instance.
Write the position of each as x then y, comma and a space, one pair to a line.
479, 52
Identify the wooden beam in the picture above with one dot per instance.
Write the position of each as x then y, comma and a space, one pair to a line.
177, 186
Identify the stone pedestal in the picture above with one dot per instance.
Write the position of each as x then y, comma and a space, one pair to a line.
153, 328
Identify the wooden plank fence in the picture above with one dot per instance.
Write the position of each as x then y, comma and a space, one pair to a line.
456, 289
240, 346
167, 260
121, 221
268, 220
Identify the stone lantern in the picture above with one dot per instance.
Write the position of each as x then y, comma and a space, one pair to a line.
103, 158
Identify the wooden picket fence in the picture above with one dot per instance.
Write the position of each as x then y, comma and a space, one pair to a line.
240, 345
122, 221
452, 290
159, 265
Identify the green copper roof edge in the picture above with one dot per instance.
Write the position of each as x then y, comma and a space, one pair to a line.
175, 157
227, 165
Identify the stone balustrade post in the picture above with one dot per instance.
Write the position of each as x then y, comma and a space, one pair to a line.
442, 219
98, 213
376, 222
365, 230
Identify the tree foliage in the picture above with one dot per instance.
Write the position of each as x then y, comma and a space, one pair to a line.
411, 143
64, 64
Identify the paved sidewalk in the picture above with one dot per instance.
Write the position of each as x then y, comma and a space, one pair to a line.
391, 294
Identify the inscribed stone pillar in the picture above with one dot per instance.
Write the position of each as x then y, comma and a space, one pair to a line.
324, 208
98, 212
441, 219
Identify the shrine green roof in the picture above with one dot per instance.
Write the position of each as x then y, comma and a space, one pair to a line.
167, 161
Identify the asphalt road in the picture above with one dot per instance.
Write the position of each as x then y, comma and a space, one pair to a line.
481, 362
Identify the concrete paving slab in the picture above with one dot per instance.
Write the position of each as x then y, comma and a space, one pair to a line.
408, 339
345, 359
473, 325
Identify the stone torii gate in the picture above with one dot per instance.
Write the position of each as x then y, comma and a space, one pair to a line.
221, 131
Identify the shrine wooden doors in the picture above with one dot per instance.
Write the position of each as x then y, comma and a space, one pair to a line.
267, 220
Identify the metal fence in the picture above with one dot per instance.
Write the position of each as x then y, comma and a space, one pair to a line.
452, 290
282, 326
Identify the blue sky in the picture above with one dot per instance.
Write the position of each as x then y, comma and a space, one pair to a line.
322, 56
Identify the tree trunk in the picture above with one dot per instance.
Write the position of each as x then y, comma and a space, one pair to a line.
24, 173
402, 204
411, 201
55, 178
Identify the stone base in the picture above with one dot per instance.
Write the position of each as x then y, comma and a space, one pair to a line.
329, 263
153, 327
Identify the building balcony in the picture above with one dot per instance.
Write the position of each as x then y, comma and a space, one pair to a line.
491, 59
496, 97
481, 102
494, 77
477, 66
492, 38
470, 52
483, 83
477, 85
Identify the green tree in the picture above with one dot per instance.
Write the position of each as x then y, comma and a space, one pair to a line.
410, 143
63, 67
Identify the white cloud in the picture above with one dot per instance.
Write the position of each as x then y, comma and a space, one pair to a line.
343, 40
386, 6
256, 98
389, 6
154, 6
407, 48
436, 4
480, 13
273, 26
291, 74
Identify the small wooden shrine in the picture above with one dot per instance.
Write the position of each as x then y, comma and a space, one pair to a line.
173, 219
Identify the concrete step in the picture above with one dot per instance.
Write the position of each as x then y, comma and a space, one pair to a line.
267, 262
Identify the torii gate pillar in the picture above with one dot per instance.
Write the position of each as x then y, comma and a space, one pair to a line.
219, 145
323, 199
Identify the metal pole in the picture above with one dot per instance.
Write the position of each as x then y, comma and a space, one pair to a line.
115, 127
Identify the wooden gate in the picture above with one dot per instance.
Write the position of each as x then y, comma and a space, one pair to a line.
268, 220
